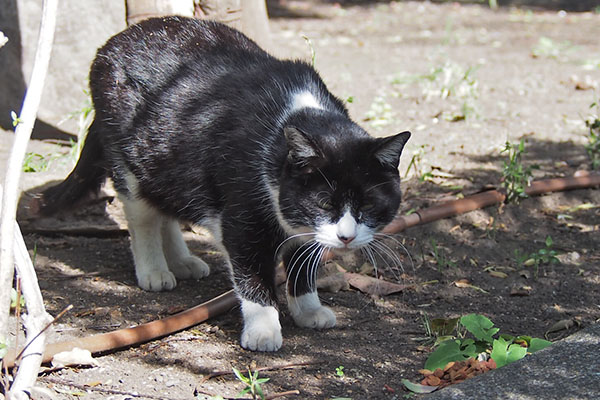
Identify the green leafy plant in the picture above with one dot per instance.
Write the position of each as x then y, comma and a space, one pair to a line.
447, 81
503, 349
339, 371
592, 147
542, 256
515, 176
252, 382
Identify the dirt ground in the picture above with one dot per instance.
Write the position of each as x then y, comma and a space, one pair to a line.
464, 79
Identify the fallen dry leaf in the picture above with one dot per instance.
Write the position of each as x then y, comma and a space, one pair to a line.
333, 283
372, 286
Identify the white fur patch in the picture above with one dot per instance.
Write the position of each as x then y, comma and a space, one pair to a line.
308, 312
274, 195
144, 224
179, 259
304, 100
262, 330
159, 251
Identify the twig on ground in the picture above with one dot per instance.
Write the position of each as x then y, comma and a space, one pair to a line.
260, 369
48, 325
268, 397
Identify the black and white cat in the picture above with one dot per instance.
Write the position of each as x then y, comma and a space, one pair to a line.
195, 122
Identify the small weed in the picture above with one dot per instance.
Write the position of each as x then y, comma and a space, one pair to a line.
448, 81
35, 162
441, 260
548, 48
416, 163
84, 118
339, 371
380, 113
515, 176
313, 53
503, 350
15, 119
543, 256
592, 147
252, 382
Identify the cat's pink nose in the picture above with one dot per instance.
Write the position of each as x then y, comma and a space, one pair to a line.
346, 240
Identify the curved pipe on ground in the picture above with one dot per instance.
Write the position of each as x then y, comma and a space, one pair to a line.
221, 304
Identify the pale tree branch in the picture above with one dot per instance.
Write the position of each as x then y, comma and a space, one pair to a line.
36, 321
23, 130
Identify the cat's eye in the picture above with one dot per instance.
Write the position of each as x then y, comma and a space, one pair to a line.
367, 207
325, 204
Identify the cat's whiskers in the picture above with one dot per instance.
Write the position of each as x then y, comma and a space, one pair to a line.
380, 236
292, 238
385, 253
312, 246
377, 185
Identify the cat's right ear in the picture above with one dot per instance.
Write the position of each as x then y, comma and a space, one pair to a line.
302, 150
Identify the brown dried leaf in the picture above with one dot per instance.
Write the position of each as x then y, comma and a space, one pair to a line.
372, 286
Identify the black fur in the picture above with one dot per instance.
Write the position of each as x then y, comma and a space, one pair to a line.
202, 118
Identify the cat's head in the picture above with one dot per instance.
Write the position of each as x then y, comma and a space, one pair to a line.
341, 184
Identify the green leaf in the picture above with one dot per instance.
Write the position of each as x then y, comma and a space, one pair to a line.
451, 350
481, 327
548, 241
504, 352
3, 350
417, 387
259, 391
538, 344
241, 377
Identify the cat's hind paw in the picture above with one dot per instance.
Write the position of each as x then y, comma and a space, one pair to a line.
308, 312
262, 330
157, 281
190, 267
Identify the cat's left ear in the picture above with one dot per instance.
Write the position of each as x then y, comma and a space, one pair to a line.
389, 149
302, 149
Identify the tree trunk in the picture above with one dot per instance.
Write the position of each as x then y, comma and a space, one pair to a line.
249, 16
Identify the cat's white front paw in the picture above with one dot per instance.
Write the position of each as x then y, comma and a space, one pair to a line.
156, 280
308, 312
262, 330
321, 318
190, 267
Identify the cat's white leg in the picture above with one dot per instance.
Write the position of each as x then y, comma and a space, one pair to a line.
144, 223
262, 330
179, 259
308, 312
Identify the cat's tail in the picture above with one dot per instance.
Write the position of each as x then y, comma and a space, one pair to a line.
86, 179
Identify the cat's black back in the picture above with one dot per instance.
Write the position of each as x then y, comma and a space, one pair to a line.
214, 97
